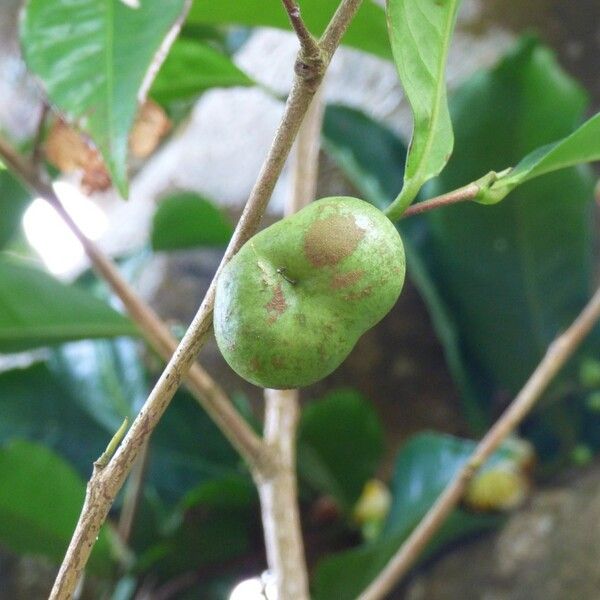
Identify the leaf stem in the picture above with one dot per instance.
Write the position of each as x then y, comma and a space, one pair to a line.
557, 354
468, 192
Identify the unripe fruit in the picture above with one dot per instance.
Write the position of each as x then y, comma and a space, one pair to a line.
292, 303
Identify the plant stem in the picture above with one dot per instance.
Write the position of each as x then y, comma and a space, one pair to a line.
211, 397
307, 41
468, 192
278, 490
105, 484
557, 354
306, 161
278, 498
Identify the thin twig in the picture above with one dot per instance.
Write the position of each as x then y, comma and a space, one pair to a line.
211, 397
278, 490
307, 41
558, 353
468, 192
338, 25
109, 481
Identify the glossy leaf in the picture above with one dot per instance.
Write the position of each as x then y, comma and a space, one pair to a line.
366, 32
106, 377
14, 199
37, 310
187, 220
92, 57
193, 67
514, 274
424, 466
582, 146
40, 501
420, 33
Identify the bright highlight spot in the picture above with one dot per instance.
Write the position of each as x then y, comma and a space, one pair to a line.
257, 588
60, 250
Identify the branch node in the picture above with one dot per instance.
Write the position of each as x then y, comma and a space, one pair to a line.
310, 68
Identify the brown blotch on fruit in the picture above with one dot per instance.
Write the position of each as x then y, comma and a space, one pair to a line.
328, 241
277, 305
346, 279
364, 293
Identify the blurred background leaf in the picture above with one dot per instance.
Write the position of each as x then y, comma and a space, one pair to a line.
191, 68
40, 501
372, 157
340, 445
14, 199
424, 466
517, 273
37, 310
366, 32
186, 220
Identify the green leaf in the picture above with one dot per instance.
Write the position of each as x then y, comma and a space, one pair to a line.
366, 32
188, 450
424, 466
193, 67
92, 57
187, 220
514, 274
37, 310
213, 522
233, 491
340, 444
74, 403
373, 157
14, 199
106, 378
582, 146
420, 33
40, 501
37, 405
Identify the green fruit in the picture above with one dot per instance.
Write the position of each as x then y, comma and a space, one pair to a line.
292, 303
